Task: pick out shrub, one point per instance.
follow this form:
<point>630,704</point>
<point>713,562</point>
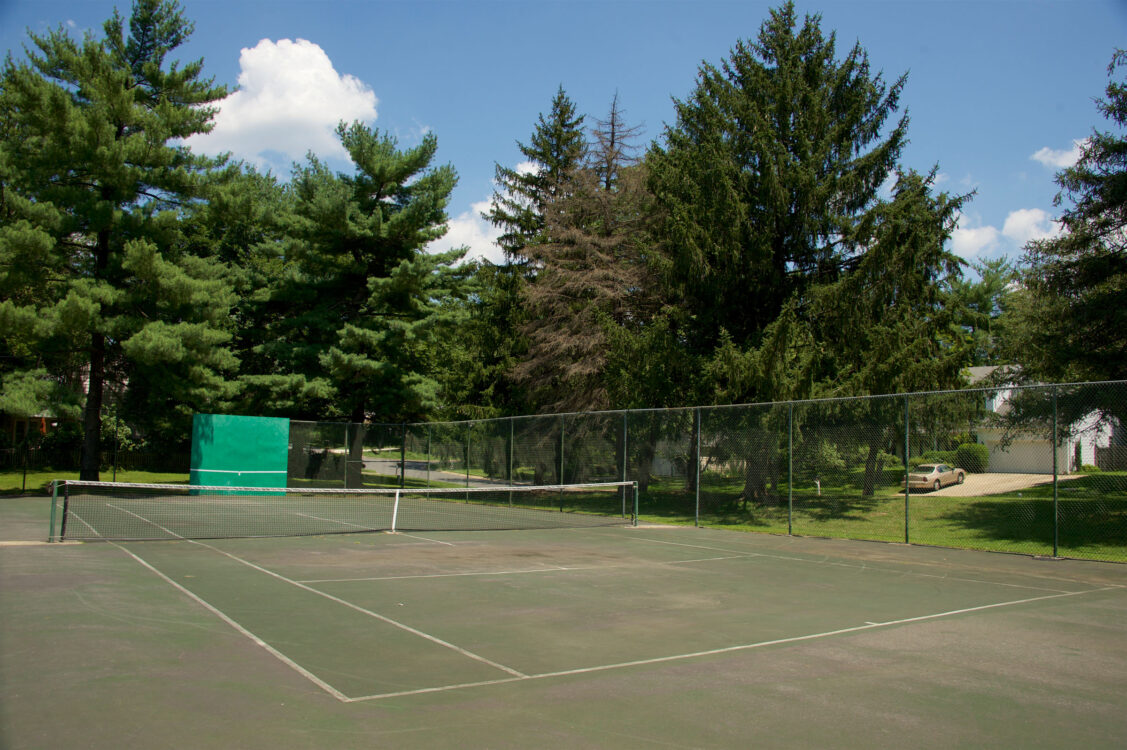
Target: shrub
<point>972,457</point>
<point>932,457</point>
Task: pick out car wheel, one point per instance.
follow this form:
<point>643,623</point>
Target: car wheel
<point>936,486</point>
<point>962,477</point>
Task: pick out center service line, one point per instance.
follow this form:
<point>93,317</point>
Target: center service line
<point>286,660</point>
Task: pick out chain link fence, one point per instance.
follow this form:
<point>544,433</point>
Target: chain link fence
<point>1033,470</point>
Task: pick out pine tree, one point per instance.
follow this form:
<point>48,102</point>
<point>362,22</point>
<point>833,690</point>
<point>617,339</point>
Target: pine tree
<point>614,146</point>
<point>772,159</point>
<point>95,179</point>
<point>363,310</point>
<point>982,307</point>
<point>591,274</point>
<point>1070,320</point>
<point>555,151</point>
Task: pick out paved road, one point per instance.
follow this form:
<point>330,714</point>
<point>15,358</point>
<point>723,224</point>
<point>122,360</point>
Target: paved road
<point>418,470</point>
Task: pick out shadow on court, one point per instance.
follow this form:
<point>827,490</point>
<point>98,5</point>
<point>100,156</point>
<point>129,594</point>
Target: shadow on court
<point>619,637</point>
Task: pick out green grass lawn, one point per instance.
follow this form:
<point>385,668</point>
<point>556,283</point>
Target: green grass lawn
<point>38,482</point>
<point>1092,512</point>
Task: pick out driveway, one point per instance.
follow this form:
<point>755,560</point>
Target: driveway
<point>977,485</point>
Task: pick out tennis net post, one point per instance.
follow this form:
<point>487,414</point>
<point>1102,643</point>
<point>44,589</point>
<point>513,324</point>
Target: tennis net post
<point>54,503</point>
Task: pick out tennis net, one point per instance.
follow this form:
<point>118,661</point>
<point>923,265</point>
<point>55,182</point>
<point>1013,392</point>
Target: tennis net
<point>117,511</point>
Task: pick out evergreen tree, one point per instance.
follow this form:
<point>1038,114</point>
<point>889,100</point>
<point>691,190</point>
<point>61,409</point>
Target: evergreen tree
<point>772,160</point>
<point>887,325</point>
<point>555,151</point>
<point>94,182</point>
<point>1070,321</point>
<point>364,311</point>
<point>591,274</point>
<point>614,146</point>
<point>983,309</point>
<point>244,223</point>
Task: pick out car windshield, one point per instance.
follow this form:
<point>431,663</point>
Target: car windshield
<point>925,468</point>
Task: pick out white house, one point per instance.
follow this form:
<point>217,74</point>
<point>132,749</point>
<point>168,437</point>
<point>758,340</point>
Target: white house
<point>1031,453</point>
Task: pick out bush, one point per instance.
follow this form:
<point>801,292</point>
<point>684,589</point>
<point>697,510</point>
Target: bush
<point>933,457</point>
<point>972,457</point>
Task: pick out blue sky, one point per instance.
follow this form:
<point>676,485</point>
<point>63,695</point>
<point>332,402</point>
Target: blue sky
<point>998,92</point>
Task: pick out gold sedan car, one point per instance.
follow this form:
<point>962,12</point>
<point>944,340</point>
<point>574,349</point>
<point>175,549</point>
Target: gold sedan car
<point>934,477</point>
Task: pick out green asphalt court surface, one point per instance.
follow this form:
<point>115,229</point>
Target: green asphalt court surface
<point>647,637</point>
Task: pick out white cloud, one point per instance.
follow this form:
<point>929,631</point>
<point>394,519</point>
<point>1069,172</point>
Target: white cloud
<point>1021,226</point>
<point>1059,159</point>
<point>468,229</point>
<point>1027,224</point>
<point>289,101</point>
<point>972,242</point>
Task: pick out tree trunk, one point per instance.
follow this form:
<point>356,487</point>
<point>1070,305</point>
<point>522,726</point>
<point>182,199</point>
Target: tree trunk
<point>90,463</point>
<point>873,467</point>
<point>692,466</point>
<point>91,460</point>
<point>354,465</point>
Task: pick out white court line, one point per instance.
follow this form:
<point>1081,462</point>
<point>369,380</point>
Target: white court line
<point>424,538</point>
<point>517,676</point>
<point>258,641</point>
<point>370,613</point>
<point>729,649</point>
<point>350,605</point>
<point>864,566</point>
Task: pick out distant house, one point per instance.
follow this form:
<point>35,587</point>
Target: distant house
<point>16,430</point>
<point>1084,442</point>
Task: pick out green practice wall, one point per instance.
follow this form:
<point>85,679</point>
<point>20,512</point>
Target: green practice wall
<point>236,451</point>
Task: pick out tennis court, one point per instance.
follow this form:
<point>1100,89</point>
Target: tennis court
<point>648,637</point>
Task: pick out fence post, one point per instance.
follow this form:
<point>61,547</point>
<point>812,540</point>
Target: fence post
<point>790,468</point>
<point>907,471</point>
<point>1056,472</point>
<point>625,417</point>
<point>696,467</point>
<point>562,450</point>
<point>26,457</point>
<point>403,459</point>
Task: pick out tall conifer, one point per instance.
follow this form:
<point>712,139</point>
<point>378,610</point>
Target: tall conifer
<point>772,159</point>
<point>95,177</point>
<point>363,308</point>
<point>555,151</point>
